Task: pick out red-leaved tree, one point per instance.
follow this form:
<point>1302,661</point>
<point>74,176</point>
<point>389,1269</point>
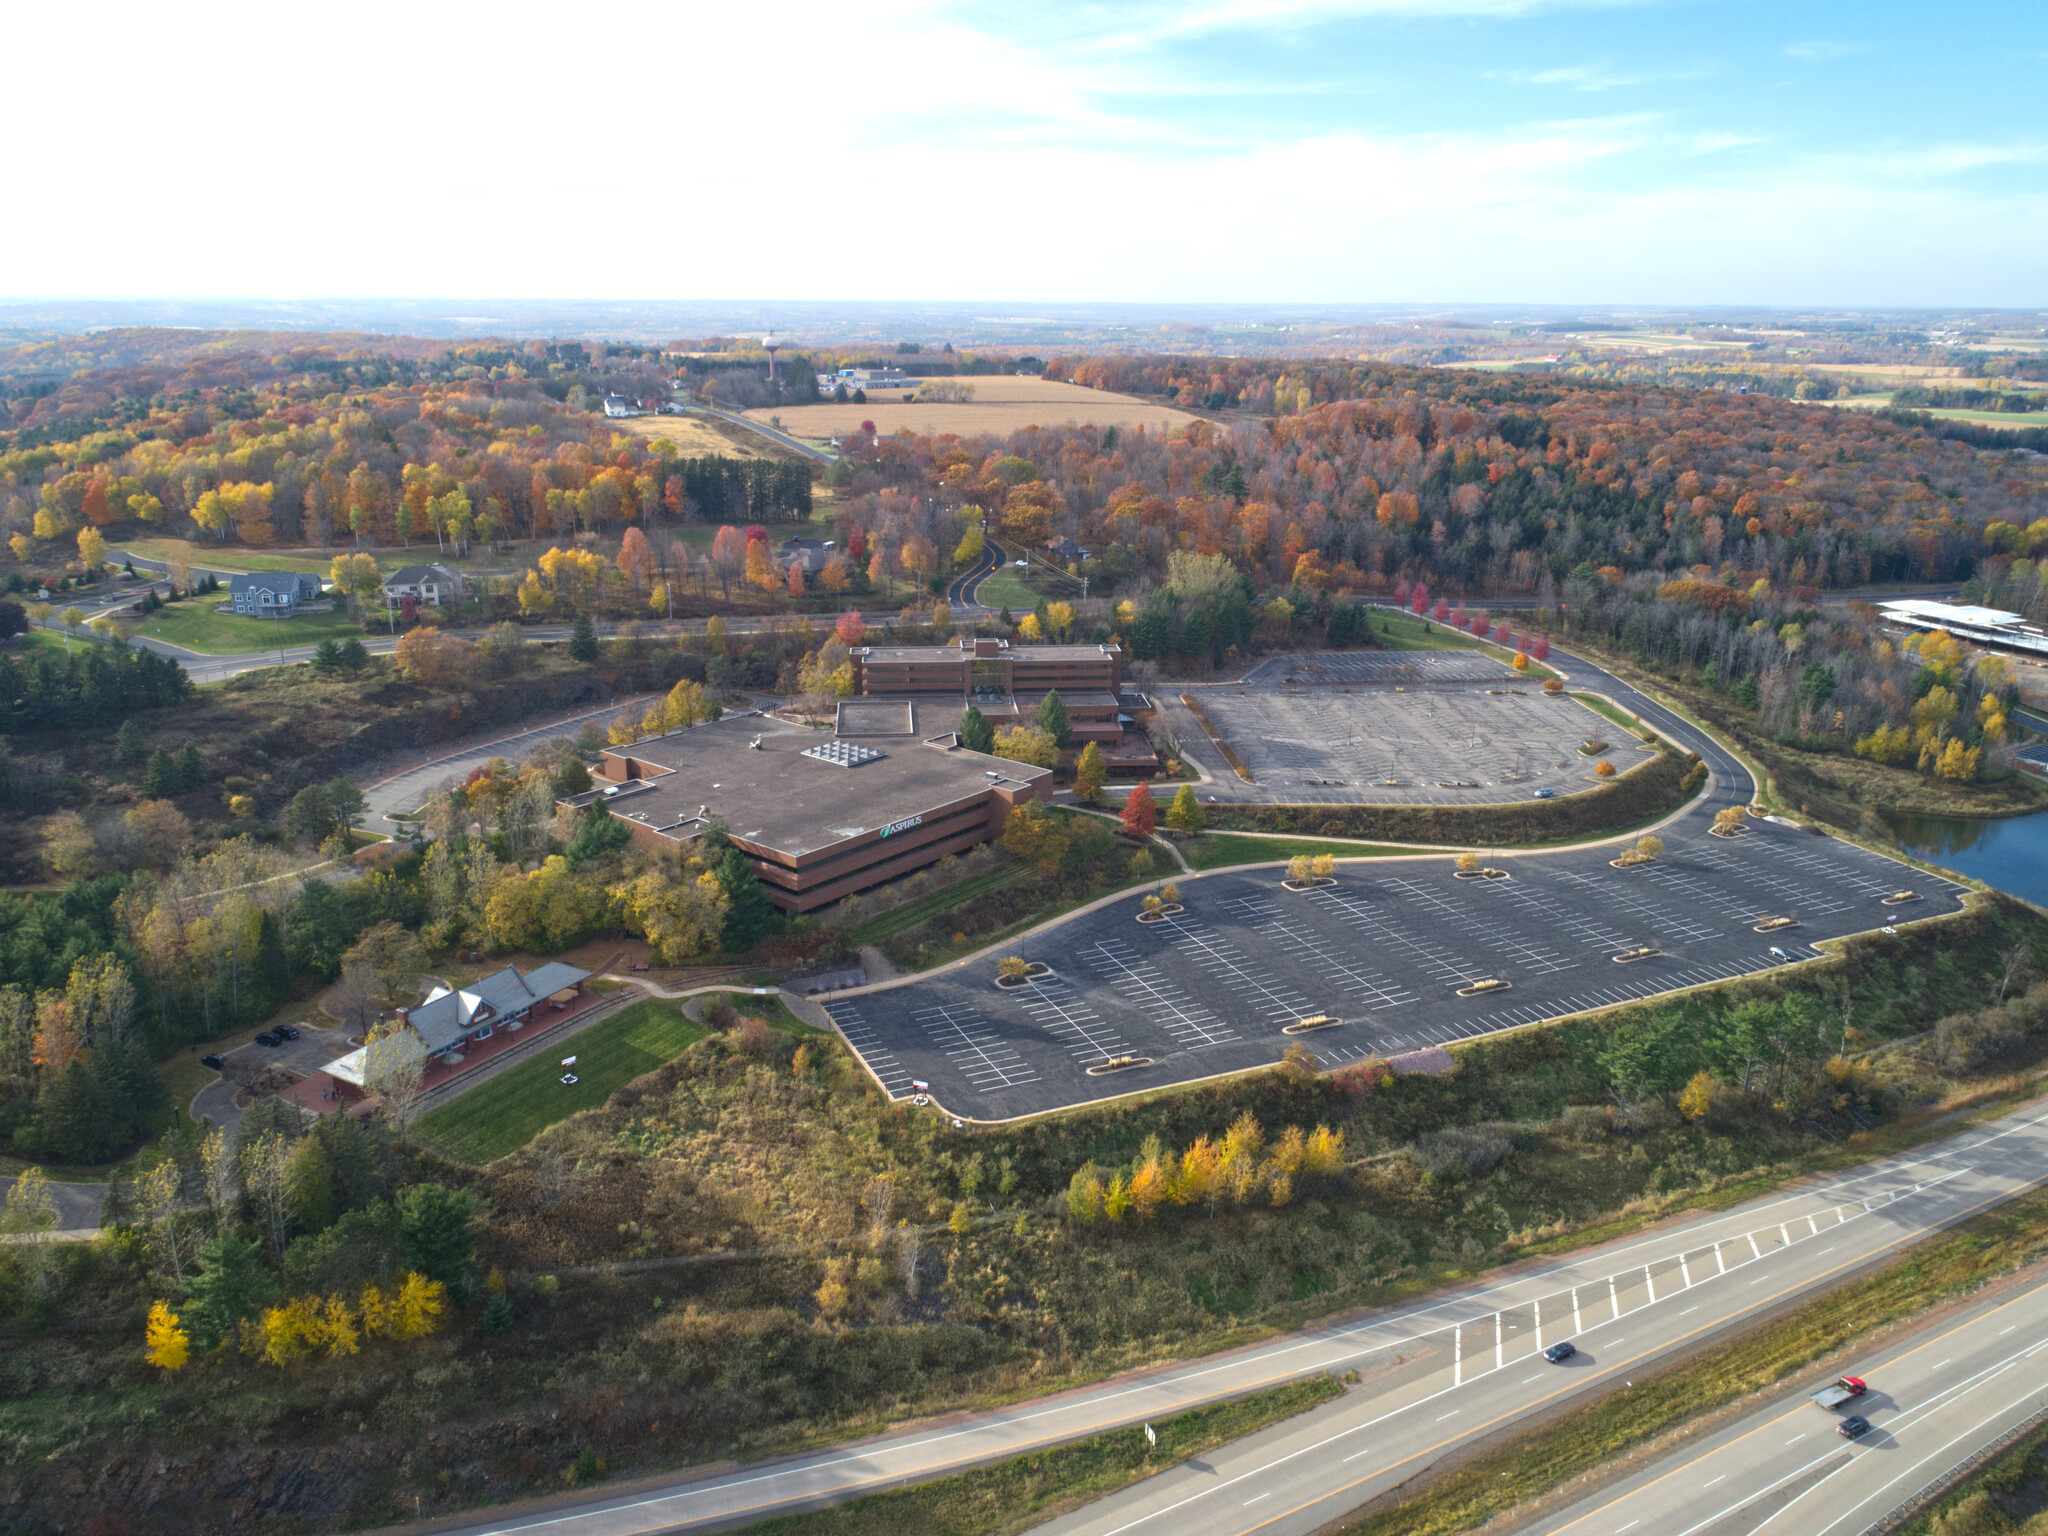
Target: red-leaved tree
<point>1141,813</point>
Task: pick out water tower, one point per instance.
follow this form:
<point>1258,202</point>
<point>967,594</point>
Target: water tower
<point>771,344</point>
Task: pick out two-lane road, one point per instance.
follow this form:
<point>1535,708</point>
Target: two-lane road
<point>1458,1367</point>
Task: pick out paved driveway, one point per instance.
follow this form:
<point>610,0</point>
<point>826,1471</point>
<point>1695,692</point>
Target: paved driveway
<point>78,1205</point>
<point>314,1048</point>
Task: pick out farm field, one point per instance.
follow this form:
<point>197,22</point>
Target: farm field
<point>195,625</point>
<point>2013,420</point>
<point>1000,406</point>
<point>698,437</point>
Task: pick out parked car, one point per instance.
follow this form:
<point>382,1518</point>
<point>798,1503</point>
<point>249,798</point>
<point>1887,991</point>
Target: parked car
<point>1853,1427</point>
<point>288,1031</point>
<point>1545,793</point>
<point>1780,954</point>
<point>212,1061</point>
<point>1557,1354</point>
<point>268,1038</point>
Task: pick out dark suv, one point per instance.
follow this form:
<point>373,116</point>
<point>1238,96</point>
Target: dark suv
<point>1557,1354</point>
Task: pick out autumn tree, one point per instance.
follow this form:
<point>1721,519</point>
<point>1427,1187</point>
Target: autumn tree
<point>1141,813</point>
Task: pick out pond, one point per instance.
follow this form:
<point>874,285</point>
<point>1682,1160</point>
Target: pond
<point>2011,854</point>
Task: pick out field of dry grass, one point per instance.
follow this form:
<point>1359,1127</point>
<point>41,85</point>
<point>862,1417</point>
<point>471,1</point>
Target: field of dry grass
<point>699,438</point>
<point>1000,405</point>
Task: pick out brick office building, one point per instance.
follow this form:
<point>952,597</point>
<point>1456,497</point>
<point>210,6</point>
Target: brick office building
<point>1008,682</point>
<point>821,816</point>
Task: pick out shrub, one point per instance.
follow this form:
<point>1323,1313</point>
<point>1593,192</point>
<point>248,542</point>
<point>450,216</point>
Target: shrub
<point>1472,1149</point>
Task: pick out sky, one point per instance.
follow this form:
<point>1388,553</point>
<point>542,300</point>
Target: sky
<point>1684,152</point>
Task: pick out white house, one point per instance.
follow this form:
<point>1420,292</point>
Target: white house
<point>434,584</point>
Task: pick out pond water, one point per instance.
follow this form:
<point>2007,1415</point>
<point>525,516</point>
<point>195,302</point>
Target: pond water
<point>2011,855</point>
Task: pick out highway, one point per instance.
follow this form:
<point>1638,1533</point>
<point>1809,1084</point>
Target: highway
<point>1936,1398</point>
<point>1454,1368</point>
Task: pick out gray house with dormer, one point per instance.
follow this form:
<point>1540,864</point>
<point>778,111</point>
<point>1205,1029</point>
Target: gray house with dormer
<point>272,594</point>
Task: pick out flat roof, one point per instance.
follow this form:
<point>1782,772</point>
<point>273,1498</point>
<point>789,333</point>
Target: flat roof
<point>958,653</point>
<point>775,797</point>
<point>1951,613</point>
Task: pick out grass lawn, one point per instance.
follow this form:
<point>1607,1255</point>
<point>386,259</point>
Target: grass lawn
<point>193,624</point>
<point>1620,717</point>
<point>1004,588</point>
<point>900,919</point>
<point>1218,850</point>
<point>53,640</point>
<point>506,1112</point>
<point>1027,1491</point>
<point>1407,632</point>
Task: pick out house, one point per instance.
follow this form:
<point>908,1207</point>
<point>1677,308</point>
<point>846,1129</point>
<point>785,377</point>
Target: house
<point>1064,551</point>
<point>619,405</point>
<point>434,584</point>
<point>811,554</point>
<point>452,1017</point>
<point>272,594</point>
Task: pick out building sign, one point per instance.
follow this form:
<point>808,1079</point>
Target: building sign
<point>901,826</point>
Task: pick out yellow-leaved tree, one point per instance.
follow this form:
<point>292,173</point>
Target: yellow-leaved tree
<point>166,1344</point>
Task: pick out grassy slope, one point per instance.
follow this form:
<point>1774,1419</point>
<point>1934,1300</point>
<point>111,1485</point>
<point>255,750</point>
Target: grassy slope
<point>1405,632</point>
<point>911,913</point>
<point>509,1110</point>
<point>1600,1433</point>
<point>1217,850</point>
<point>1013,1495</point>
<point>195,625</point>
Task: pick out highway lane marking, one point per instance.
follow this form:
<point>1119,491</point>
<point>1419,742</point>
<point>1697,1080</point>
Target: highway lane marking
<point>1620,1528</point>
<point>1713,1480</point>
<point>1527,1379</point>
<point>1798,1408</point>
<point>1248,1503</point>
<point>1429,1451</point>
<point>868,1451</point>
<point>1938,1364</point>
<point>1356,1454</point>
<point>1797,1438</point>
<point>1689,1309</point>
<point>2004,1331</point>
<point>1451,1415</point>
<point>1760,1279</point>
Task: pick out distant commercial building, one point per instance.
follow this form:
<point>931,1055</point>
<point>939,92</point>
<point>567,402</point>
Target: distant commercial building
<point>821,816</point>
<point>272,594</point>
<point>867,378</point>
<point>1980,626</point>
<point>811,554</point>
<point>1008,682</point>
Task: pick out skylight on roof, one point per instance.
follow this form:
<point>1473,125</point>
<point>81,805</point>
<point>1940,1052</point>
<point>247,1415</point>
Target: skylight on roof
<point>843,754</point>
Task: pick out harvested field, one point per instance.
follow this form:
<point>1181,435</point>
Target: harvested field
<point>1000,406</point>
<point>699,437</point>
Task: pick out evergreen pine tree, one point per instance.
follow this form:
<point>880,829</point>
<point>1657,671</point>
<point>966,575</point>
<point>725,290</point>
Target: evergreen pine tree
<point>749,913</point>
<point>976,734</point>
<point>327,657</point>
<point>230,1285</point>
<point>131,1090</point>
<point>497,1313</point>
<point>583,639</point>
<point>1052,719</point>
<point>160,778</point>
<point>128,744</point>
<point>354,656</point>
<point>191,771</point>
<point>76,1118</point>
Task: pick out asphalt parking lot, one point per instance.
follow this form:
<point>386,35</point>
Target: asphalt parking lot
<point>1389,728</point>
<point>1386,950</point>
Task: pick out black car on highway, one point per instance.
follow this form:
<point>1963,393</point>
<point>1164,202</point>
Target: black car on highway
<point>1853,1427</point>
<point>1557,1354</point>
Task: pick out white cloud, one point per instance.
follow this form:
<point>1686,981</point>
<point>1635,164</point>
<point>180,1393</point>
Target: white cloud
<point>1822,49</point>
<point>1580,77</point>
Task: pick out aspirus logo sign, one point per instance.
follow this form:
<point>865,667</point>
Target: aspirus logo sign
<point>901,826</point>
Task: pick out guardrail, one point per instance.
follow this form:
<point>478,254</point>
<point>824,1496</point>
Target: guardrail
<point>1936,1486</point>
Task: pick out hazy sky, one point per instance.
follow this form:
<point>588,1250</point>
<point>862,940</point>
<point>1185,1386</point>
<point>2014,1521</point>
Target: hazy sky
<point>1671,151</point>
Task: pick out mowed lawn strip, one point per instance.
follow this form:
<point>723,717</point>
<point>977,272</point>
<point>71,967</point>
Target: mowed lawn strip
<point>1029,1490</point>
<point>1216,850</point>
<point>1929,1272</point>
<point>194,625</point>
<point>506,1112</point>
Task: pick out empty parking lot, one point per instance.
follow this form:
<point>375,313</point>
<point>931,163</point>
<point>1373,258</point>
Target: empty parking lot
<point>1392,728</point>
<point>1386,950</point>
